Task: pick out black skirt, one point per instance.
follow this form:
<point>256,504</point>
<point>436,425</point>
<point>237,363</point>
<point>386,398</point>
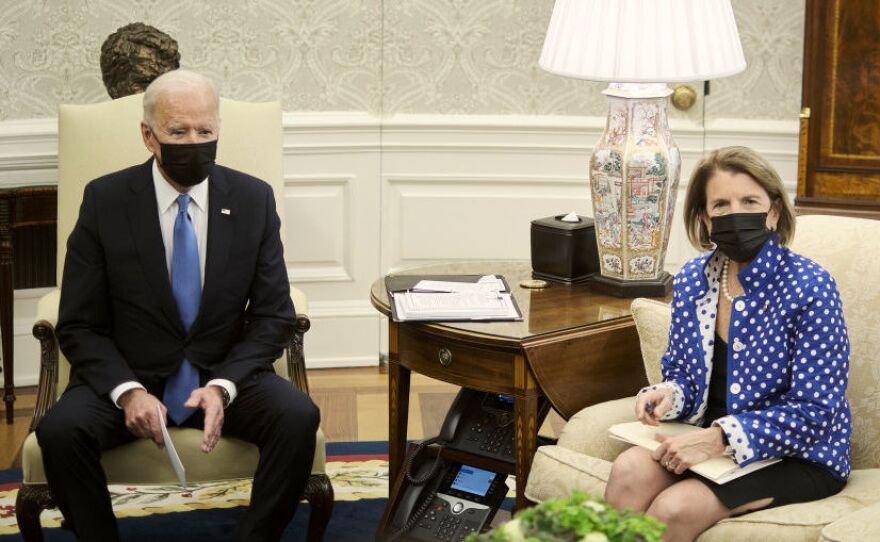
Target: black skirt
<point>787,482</point>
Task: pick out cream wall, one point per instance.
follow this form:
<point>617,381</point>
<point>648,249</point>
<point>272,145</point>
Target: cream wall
<point>414,131</point>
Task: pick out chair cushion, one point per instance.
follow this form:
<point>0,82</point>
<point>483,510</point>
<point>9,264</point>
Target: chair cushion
<point>141,462</point>
<point>558,471</point>
<point>856,527</point>
<point>652,319</point>
<point>587,431</point>
<point>798,522</point>
<point>300,301</point>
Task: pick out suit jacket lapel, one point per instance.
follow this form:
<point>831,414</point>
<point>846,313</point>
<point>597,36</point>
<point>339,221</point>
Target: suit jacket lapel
<point>221,216</point>
<point>144,217</point>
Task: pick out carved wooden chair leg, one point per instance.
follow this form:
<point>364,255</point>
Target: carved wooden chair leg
<point>319,494</point>
<point>31,501</point>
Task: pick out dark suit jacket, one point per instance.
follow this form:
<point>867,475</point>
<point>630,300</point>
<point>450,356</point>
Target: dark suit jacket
<point>118,320</point>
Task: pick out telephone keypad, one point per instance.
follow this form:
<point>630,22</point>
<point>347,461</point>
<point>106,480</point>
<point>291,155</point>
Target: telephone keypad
<point>491,436</point>
<point>467,528</point>
<point>440,521</point>
<point>448,527</point>
<point>428,521</point>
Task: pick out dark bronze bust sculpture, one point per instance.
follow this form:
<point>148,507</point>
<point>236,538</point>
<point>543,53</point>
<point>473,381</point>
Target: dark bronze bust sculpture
<point>133,56</point>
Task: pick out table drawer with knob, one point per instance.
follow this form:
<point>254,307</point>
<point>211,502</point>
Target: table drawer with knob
<point>470,366</point>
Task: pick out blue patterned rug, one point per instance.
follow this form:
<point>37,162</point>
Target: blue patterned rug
<point>210,512</point>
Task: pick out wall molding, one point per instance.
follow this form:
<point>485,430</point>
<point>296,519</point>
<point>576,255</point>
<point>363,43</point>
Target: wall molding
<point>326,270</point>
<point>33,144</point>
<point>341,309</point>
<point>343,362</point>
<point>27,146</point>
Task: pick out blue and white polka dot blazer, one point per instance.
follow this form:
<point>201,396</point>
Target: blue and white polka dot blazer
<point>788,356</point>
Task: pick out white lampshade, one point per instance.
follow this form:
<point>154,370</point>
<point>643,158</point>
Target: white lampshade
<point>643,41</point>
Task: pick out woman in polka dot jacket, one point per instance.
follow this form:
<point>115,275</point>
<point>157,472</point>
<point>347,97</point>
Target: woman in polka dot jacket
<point>758,356</point>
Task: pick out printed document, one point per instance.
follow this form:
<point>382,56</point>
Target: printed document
<point>485,299</point>
<point>720,469</point>
<point>487,284</point>
<point>176,464</point>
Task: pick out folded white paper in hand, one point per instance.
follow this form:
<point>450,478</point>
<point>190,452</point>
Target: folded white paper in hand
<point>176,464</point>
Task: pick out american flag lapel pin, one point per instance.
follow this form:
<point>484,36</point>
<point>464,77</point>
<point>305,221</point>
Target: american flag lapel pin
<point>225,211</point>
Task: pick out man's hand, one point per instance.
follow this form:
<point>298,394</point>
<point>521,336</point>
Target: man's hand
<point>141,414</point>
<point>210,400</point>
<point>652,405</point>
<point>677,454</point>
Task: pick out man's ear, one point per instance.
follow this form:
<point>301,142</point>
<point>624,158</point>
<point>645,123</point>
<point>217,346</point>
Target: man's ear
<point>148,137</point>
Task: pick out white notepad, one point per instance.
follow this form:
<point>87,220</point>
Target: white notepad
<point>720,469</point>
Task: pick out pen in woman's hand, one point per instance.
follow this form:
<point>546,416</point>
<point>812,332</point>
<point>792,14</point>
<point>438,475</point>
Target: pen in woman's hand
<point>649,408</point>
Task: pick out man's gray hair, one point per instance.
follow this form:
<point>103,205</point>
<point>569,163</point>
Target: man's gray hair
<point>175,80</point>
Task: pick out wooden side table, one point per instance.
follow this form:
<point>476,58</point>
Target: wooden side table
<point>27,224</point>
<point>574,346</point>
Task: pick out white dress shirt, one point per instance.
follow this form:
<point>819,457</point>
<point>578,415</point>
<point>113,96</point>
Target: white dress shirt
<point>166,197</point>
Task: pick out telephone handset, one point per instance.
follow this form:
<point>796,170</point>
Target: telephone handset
<point>460,501</point>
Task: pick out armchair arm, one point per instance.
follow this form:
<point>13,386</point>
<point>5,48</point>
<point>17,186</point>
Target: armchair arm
<point>47,307</point>
<point>44,331</point>
<point>859,525</point>
<point>296,364</point>
<point>587,431</point>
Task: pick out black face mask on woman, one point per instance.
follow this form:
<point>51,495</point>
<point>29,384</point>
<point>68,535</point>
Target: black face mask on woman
<point>188,164</point>
<point>740,236</point>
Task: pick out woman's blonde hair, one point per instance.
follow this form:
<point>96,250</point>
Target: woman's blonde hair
<point>734,160</point>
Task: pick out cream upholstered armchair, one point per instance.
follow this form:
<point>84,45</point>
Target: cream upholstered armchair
<point>847,248</point>
<point>102,138</point>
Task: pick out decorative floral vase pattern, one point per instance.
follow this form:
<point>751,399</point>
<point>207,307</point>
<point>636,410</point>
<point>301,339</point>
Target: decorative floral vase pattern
<point>634,173</point>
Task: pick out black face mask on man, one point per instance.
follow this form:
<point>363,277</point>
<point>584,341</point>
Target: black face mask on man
<point>740,236</point>
<point>188,164</point>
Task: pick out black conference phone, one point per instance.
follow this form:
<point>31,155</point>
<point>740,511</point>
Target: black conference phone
<point>458,500</point>
<point>481,423</point>
<point>448,500</point>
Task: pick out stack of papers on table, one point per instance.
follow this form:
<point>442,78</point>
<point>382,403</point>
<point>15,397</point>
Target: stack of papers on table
<point>486,298</point>
<point>720,469</point>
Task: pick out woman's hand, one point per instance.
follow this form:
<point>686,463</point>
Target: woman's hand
<point>677,454</point>
<point>652,405</point>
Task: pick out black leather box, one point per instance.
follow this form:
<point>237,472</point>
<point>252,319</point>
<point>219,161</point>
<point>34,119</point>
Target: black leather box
<point>564,251</point>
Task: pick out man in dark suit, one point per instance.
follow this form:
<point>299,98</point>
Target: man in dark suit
<point>175,303</point>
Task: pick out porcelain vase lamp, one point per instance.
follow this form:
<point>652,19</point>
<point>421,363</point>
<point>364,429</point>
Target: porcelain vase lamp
<point>638,46</point>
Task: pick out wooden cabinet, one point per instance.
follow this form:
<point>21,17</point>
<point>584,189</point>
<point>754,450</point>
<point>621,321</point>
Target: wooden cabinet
<point>839,163</point>
<point>27,227</point>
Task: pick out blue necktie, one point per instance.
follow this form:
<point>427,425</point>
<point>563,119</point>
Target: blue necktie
<point>186,286</point>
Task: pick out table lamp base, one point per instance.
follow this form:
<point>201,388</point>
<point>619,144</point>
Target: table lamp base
<point>659,287</point>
